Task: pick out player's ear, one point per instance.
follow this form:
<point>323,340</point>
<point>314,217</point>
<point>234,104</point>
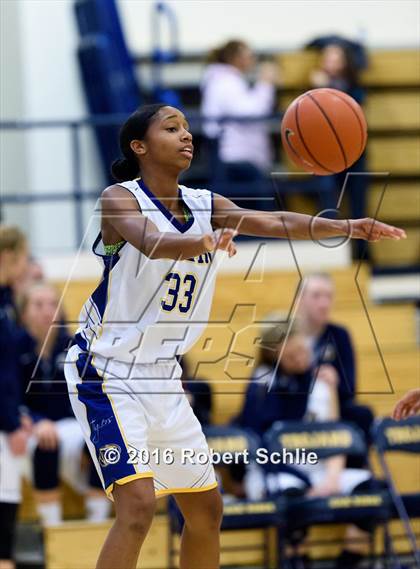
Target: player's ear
<point>139,147</point>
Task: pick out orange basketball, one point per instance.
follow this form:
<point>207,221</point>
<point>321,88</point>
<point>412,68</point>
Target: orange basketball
<point>324,131</point>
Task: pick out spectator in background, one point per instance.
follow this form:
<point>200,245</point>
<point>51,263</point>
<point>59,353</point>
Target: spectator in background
<point>278,389</point>
<point>57,446</point>
<point>34,273</point>
<point>333,348</point>
<point>289,393</point>
<point>243,147</point>
<point>14,425</point>
<point>338,71</point>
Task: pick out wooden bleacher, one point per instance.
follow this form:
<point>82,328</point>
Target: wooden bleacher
<point>394,327</point>
<point>392,109</point>
<point>387,68</point>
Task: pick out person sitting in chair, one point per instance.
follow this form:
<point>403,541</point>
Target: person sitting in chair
<point>285,387</point>
<point>333,351</point>
<point>57,448</point>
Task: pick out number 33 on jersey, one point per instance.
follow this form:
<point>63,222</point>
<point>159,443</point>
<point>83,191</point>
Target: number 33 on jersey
<point>153,308</point>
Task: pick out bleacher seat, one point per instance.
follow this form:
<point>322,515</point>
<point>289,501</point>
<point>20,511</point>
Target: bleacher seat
<point>387,68</point>
<point>397,67</point>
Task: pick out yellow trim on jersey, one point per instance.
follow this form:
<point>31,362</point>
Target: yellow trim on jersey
<point>167,491</point>
<point>127,479</point>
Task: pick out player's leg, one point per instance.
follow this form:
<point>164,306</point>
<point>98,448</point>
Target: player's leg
<point>135,505</point>
<point>112,423</point>
<point>202,511</point>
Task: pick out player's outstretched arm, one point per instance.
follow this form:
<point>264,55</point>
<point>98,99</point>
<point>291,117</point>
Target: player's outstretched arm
<point>123,220</point>
<point>408,405</point>
<point>297,225</point>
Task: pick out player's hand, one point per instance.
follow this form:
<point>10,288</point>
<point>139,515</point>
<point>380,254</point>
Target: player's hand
<point>372,230</point>
<point>46,434</point>
<point>407,406</point>
<point>17,441</point>
<point>221,239</point>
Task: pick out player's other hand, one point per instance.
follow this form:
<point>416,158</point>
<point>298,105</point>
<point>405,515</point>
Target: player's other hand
<point>372,230</point>
<point>221,239</point>
<point>407,406</point>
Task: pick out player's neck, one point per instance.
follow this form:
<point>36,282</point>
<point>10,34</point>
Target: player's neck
<point>161,184</point>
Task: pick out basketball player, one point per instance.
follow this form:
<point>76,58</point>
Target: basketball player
<point>158,241</point>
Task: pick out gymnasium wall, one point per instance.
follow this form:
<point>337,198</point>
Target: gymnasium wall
<point>40,80</point>
<point>285,24</point>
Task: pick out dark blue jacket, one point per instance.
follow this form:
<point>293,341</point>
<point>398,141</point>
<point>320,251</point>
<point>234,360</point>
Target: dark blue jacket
<point>286,400</point>
<point>44,385</point>
<point>9,363</point>
<point>335,347</point>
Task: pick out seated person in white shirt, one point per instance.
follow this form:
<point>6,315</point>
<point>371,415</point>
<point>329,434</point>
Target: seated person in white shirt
<point>243,147</point>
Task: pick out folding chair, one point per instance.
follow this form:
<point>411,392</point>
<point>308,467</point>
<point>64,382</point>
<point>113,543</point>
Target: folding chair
<point>399,436</point>
<point>326,440</point>
<point>238,515</point>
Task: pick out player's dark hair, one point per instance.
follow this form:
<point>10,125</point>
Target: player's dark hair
<point>226,52</point>
<point>134,128</point>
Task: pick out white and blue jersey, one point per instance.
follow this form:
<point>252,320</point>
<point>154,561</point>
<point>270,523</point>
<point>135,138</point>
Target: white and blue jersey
<point>122,374</point>
<point>149,310</point>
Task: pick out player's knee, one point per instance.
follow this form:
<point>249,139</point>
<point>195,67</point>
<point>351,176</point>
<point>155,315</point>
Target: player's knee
<point>207,516</point>
<point>136,509</point>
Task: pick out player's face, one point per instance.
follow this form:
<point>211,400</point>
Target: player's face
<point>168,142</point>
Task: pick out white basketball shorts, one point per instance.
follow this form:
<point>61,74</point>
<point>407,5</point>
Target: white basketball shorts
<point>138,423</point>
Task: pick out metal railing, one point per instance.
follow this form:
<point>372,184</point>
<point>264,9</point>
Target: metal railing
<point>77,195</point>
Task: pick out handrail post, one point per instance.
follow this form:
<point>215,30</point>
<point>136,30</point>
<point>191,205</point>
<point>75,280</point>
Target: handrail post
<point>77,182</point>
